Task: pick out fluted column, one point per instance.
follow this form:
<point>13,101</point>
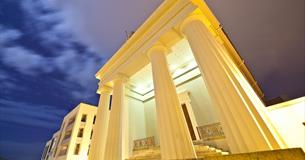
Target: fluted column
<point>241,111</point>
<point>98,142</point>
<point>116,139</point>
<point>175,140</point>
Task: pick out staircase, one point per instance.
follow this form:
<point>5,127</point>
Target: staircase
<point>153,153</point>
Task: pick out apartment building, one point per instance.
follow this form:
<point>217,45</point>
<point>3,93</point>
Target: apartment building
<point>72,141</point>
<point>48,152</point>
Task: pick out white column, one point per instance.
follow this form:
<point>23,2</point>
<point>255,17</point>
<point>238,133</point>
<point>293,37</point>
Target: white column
<point>175,140</point>
<point>241,112</point>
<point>117,130</point>
<point>98,142</point>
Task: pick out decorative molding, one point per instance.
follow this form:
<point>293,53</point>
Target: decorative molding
<point>184,97</point>
<point>104,89</point>
<point>184,82</point>
<point>184,73</point>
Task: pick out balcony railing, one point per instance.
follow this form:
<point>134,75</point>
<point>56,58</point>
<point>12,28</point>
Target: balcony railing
<point>211,132</point>
<point>69,126</point>
<point>143,143</point>
<point>66,139</point>
<point>62,152</point>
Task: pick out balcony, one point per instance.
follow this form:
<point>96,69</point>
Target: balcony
<point>69,126</point>
<point>62,152</point>
<point>66,140</point>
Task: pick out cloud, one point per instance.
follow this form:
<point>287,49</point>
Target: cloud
<point>7,35</point>
<point>78,63</point>
<point>24,60</point>
<point>77,68</point>
<point>43,47</point>
<point>102,24</point>
<point>46,22</point>
<point>29,114</point>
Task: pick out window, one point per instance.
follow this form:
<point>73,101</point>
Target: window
<point>188,121</point>
<point>80,132</point>
<point>91,134</point>
<point>88,150</point>
<point>94,119</point>
<point>76,150</point>
<point>84,118</point>
<point>110,101</point>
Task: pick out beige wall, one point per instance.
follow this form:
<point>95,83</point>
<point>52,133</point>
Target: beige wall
<point>200,101</point>
<point>90,111</point>
<point>150,120</point>
<point>288,118</point>
<point>137,126</point>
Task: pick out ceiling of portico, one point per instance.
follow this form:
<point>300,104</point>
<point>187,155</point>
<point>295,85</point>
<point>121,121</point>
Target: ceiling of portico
<point>180,60</point>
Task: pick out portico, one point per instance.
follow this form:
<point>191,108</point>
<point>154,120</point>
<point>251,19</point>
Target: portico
<point>176,73</point>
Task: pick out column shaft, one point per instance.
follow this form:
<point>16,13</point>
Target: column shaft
<point>115,144</point>
<point>175,140</point>
<point>98,142</point>
<point>240,110</point>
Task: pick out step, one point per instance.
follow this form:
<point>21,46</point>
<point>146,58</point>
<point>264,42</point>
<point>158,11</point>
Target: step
<point>154,153</point>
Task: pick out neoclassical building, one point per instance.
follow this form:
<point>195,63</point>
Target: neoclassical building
<point>177,83</point>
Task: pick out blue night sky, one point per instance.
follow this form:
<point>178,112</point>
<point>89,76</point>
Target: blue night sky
<point>50,51</point>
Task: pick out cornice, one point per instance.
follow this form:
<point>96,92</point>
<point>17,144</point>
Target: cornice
<point>165,17</point>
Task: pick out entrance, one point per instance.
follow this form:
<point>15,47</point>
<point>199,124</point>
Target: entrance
<point>188,121</point>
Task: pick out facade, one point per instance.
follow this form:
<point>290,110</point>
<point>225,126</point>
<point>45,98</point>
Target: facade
<point>177,89</point>
<point>45,153</point>
<point>50,146</point>
<point>72,141</point>
<point>178,83</point>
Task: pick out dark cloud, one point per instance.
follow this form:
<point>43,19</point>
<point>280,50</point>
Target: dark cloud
<point>44,72</point>
<point>77,66</point>
<point>25,113</point>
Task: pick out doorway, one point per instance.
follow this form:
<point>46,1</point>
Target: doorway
<point>188,121</point>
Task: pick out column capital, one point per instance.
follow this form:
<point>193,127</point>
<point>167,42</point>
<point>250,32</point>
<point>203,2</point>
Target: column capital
<point>121,77</point>
<point>158,48</point>
<point>196,16</point>
<point>104,89</point>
